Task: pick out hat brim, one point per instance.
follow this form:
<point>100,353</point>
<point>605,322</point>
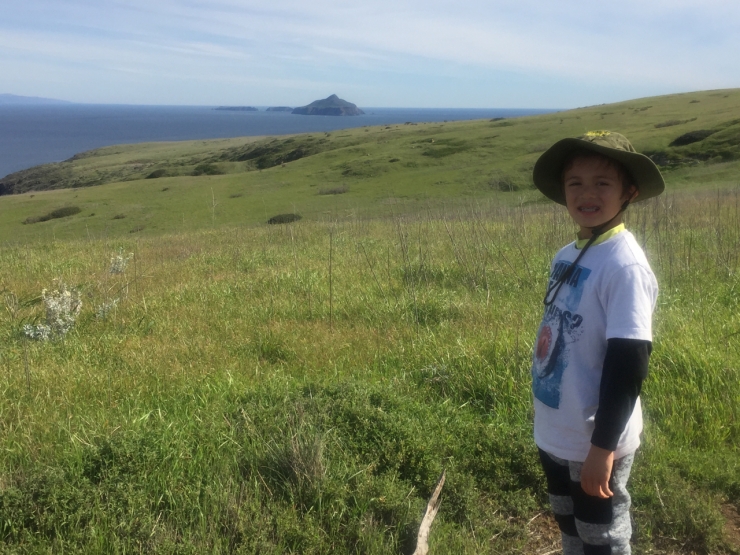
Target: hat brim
<point>547,173</point>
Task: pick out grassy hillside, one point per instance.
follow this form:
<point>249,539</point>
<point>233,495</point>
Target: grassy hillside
<point>235,388</point>
<point>298,389</point>
<point>165,187</point>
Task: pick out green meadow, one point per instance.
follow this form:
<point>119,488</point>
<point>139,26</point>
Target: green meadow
<point>238,387</point>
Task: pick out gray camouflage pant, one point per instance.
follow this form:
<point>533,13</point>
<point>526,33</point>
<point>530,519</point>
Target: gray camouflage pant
<point>589,525</point>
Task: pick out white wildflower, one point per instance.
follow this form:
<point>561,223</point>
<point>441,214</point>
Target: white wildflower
<point>102,310</point>
<point>41,332</point>
<point>62,309</point>
<point>119,262</point>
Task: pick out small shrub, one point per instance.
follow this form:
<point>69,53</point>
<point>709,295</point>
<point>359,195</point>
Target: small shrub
<point>694,102</point>
<point>54,214</point>
<point>236,195</point>
<point>136,229</point>
<point>394,160</point>
<point>119,216</point>
<point>165,189</point>
<point>284,219</point>
<point>157,173</point>
<point>334,190</point>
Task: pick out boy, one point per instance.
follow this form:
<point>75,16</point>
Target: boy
<point>595,339</point>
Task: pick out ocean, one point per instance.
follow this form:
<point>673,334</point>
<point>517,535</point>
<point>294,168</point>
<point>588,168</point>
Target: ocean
<point>38,134</point>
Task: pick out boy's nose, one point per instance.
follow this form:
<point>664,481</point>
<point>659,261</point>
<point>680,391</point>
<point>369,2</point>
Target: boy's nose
<point>591,189</point>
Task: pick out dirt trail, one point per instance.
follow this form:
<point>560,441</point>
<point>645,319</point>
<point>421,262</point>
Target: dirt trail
<point>732,524</point>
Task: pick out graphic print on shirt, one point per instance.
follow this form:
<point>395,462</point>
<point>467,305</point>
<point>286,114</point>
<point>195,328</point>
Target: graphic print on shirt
<point>561,326</point>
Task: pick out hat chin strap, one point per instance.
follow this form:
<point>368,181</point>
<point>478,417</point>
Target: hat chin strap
<point>554,289</point>
<point>599,229</point>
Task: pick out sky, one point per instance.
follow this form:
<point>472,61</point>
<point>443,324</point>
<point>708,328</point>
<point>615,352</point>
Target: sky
<point>375,53</point>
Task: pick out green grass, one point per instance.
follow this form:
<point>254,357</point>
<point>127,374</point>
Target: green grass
<point>233,402</point>
<point>299,388</point>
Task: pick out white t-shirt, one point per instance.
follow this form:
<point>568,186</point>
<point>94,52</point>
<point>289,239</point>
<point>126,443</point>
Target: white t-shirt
<point>610,294</point>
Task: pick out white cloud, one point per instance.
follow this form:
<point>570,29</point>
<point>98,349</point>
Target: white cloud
<point>649,44</point>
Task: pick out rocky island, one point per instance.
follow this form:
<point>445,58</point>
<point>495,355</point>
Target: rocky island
<point>280,109</point>
<point>332,106</point>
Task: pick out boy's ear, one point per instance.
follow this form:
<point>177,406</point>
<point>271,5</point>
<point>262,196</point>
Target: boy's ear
<point>632,193</point>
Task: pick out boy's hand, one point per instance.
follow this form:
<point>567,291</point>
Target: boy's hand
<point>596,471</point>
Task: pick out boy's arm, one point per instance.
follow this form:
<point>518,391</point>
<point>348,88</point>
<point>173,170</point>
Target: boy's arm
<point>625,368</point>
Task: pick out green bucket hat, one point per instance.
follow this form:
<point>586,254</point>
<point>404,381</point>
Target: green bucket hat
<point>548,170</point>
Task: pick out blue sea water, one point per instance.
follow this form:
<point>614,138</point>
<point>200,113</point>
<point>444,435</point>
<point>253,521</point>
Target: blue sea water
<point>38,134</point>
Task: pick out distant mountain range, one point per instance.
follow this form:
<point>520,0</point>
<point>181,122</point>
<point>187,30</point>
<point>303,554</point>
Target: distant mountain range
<point>14,99</point>
<point>331,106</point>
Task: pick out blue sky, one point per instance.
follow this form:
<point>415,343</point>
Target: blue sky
<point>376,53</point>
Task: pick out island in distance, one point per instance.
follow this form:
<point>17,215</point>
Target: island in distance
<point>237,108</point>
<point>280,109</point>
<point>332,106</point>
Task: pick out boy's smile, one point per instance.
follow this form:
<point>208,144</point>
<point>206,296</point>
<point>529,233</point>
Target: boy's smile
<point>594,194</point>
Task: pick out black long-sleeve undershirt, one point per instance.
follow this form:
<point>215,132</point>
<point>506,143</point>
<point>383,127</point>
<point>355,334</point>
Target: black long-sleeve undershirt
<point>625,368</point>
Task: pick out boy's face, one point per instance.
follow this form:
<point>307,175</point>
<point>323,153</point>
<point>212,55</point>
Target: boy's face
<point>594,193</point>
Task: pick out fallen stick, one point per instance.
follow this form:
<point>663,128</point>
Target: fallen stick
<point>422,545</point>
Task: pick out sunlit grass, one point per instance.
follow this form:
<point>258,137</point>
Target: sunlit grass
<point>232,401</point>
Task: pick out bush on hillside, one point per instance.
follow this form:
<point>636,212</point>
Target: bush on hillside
<point>54,214</point>
<point>692,137</point>
<point>672,122</point>
<point>284,219</point>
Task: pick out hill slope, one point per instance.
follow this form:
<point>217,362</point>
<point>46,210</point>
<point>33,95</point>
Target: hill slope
<point>15,100</point>
<point>162,187</point>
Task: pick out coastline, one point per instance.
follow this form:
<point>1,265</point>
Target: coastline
<point>31,135</point>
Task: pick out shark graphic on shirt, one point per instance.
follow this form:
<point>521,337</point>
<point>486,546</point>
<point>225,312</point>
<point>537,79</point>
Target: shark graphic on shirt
<point>561,326</point>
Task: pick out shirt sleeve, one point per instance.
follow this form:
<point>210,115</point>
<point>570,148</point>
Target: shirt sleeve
<point>625,368</point>
<point>629,300</point>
